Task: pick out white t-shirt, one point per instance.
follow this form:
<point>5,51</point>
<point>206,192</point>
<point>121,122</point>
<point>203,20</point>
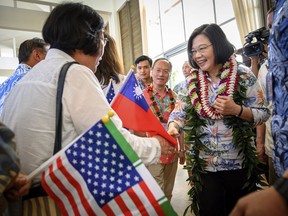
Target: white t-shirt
<point>29,110</point>
<point>269,143</point>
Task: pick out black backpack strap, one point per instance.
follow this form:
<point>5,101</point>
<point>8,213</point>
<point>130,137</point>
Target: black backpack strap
<point>60,87</point>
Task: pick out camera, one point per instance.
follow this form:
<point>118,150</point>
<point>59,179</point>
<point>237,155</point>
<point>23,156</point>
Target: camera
<point>256,48</point>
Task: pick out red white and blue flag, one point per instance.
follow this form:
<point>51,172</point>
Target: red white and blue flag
<point>111,92</point>
<point>134,111</point>
<point>100,174</point>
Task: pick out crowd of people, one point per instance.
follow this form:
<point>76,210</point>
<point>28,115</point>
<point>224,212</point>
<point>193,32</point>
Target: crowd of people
<point>216,108</point>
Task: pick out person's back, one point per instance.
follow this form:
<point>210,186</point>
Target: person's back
<point>31,52</point>
<point>278,70</point>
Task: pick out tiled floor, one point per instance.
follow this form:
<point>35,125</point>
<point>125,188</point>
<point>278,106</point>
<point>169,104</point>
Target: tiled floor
<point>180,199</point>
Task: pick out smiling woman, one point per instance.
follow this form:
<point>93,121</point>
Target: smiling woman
<point>220,122</point>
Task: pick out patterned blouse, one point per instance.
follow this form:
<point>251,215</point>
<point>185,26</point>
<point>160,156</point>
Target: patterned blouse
<point>181,90</point>
<point>8,84</point>
<point>164,104</point>
<point>221,153</point>
<point>278,67</point>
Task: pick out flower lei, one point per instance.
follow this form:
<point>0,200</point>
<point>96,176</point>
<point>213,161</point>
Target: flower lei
<point>155,104</point>
<point>198,113</point>
<point>228,84</point>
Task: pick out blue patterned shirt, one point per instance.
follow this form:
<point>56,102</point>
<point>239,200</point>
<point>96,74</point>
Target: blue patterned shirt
<point>278,67</point>
<point>221,153</point>
<point>181,90</point>
<point>9,83</point>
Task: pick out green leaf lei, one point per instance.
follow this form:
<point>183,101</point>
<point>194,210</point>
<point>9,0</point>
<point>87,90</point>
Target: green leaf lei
<point>242,137</point>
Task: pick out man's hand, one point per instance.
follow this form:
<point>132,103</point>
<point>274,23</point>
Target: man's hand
<point>166,148</point>
<point>173,129</point>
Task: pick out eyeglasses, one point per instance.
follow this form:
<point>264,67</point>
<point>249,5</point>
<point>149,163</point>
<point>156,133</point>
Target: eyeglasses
<point>105,40</point>
<point>201,49</point>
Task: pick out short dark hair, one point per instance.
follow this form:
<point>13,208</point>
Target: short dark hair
<point>72,26</point>
<point>223,49</point>
<point>144,58</point>
<point>165,59</point>
<point>28,46</point>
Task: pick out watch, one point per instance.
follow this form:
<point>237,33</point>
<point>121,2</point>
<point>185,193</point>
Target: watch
<point>281,186</point>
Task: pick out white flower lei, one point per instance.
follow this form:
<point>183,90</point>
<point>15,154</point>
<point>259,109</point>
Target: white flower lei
<point>227,86</point>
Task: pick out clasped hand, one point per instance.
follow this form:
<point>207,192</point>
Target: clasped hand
<point>19,187</point>
<point>166,147</point>
<point>225,105</point>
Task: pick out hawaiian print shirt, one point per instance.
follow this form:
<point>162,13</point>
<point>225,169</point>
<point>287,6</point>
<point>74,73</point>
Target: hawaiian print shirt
<point>163,104</point>
<point>278,67</point>
<point>165,109</point>
<point>181,90</point>
<point>8,84</point>
<point>141,84</point>
<point>221,154</point>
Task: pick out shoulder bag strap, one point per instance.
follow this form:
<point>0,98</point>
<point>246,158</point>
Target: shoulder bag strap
<point>60,87</point>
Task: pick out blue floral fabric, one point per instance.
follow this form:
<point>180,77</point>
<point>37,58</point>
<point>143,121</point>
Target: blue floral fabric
<point>8,84</point>
<point>221,153</point>
<point>181,90</point>
<point>278,66</point>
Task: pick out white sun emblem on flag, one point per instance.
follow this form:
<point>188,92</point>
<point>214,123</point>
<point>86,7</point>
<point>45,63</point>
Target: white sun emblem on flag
<point>137,92</point>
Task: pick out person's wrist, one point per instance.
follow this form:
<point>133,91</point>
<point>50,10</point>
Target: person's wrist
<point>175,125</point>
<point>182,151</point>
<point>240,112</point>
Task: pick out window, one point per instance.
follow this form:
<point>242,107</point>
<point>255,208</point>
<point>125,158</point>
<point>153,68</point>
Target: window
<point>223,10</point>
<point>153,28</point>
<point>177,62</point>
<point>197,13</point>
<point>171,23</point>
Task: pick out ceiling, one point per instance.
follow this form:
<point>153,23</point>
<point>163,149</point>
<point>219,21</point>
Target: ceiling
<point>16,25</point>
<point>8,36</point>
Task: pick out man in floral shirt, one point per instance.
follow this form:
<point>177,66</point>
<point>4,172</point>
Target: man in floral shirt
<point>181,88</point>
<point>161,100</point>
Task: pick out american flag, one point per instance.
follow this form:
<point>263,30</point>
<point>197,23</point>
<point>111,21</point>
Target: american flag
<point>111,92</point>
<point>100,174</point>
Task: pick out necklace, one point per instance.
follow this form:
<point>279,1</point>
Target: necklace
<point>198,80</point>
<point>155,105</point>
<point>242,130</point>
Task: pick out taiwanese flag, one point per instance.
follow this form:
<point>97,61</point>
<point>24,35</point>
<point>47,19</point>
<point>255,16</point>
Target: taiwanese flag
<point>134,111</point>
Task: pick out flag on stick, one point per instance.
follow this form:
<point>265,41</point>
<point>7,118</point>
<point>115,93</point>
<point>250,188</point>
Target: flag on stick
<point>111,92</point>
<point>134,111</point>
<point>100,174</point>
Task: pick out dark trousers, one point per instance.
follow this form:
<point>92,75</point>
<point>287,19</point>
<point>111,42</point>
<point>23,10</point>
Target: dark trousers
<point>220,191</point>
